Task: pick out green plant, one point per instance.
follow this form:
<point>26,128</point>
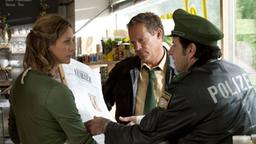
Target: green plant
<point>244,10</point>
<point>44,7</point>
<point>5,31</point>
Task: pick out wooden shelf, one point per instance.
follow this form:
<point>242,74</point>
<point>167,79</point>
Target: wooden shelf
<point>5,83</point>
<point>103,63</point>
<point>109,64</point>
<point>5,69</point>
<point>19,36</point>
<point>7,46</point>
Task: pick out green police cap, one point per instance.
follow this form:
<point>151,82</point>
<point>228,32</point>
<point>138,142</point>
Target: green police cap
<point>195,28</point>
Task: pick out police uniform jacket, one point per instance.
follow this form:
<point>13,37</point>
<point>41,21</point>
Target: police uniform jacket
<point>208,104</point>
<point>122,84</point>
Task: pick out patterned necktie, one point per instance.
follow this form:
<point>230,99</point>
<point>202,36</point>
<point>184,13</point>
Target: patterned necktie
<point>150,102</point>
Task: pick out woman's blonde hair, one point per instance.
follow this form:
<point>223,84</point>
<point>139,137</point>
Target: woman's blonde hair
<point>44,33</point>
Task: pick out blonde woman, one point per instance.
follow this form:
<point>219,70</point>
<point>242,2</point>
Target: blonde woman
<point>43,110</point>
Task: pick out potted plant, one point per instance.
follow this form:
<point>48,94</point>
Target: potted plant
<point>5,32</point>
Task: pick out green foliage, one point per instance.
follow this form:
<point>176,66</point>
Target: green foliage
<point>168,40</point>
<point>5,32</point>
<point>108,45</point>
<point>44,7</point>
<point>245,9</point>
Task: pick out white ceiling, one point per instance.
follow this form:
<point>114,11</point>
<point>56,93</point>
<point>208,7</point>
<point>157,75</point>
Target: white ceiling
<point>87,9</point>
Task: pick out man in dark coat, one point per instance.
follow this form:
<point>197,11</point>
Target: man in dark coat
<point>128,80</point>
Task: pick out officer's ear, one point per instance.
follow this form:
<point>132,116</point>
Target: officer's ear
<point>191,50</point>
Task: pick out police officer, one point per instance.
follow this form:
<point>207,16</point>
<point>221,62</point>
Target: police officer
<point>210,100</point>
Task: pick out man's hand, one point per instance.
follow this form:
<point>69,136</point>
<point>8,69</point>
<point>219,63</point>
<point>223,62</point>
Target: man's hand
<point>97,125</point>
<point>131,119</point>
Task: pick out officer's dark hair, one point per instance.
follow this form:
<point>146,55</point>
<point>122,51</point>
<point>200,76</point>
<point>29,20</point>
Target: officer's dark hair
<point>151,21</point>
<point>203,52</point>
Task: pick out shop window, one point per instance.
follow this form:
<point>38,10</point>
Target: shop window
<point>245,37</point>
<point>104,27</point>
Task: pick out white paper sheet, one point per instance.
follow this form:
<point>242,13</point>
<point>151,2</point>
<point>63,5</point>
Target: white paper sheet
<point>85,84</point>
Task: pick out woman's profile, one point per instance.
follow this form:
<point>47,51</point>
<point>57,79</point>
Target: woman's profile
<point>43,110</point>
